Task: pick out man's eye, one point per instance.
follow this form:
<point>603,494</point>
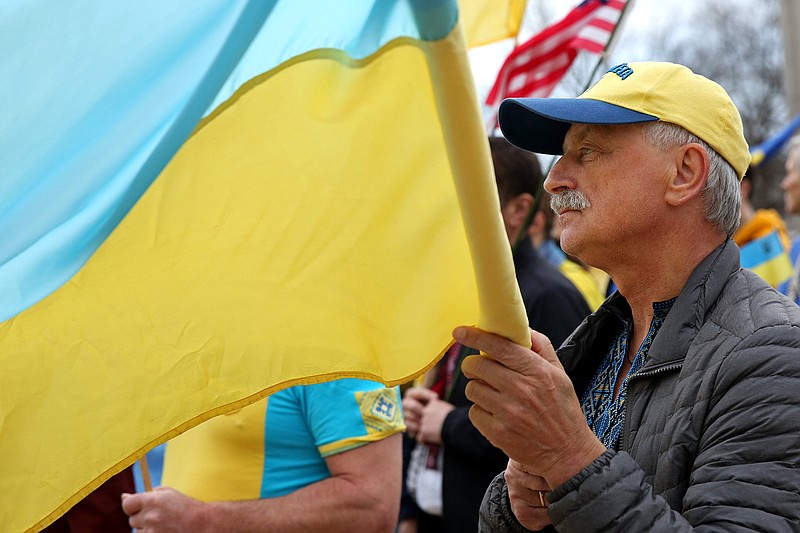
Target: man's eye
<point>585,150</point>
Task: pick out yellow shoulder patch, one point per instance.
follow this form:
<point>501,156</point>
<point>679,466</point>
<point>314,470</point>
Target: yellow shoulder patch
<point>380,409</point>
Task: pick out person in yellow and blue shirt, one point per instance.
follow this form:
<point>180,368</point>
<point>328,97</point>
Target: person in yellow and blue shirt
<point>763,239</point>
<point>324,457</point>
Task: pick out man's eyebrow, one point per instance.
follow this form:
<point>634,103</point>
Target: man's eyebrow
<point>577,133</point>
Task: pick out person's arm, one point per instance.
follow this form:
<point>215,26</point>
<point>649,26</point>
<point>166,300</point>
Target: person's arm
<point>742,477</point>
<point>362,494</point>
<point>496,515</point>
<point>525,405</point>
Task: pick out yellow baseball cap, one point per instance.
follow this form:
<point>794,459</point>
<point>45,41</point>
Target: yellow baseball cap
<point>630,93</point>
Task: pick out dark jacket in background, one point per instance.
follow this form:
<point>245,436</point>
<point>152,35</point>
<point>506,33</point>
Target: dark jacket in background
<point>554,307</point>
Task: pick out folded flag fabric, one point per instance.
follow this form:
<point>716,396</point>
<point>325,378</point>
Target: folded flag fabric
<point>207,202</point>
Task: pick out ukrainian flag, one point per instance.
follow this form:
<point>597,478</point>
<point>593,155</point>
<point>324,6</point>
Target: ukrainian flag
<point>767,257</point>
<point>487,21</point>
<point>204,202</point>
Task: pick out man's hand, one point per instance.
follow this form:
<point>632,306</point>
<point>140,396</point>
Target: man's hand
<point>430,425</point>
<point>526,406</point>
<point>526,493</point>
<point>164,510</point>
<point>414,402</point>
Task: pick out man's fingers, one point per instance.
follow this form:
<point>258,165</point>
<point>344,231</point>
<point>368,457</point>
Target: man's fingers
<point>481,419</point>
<point>479,367</point>
<point>509,354</point>
<point>542,345</point>
<point>421,394</point>
<point>479,391</point>
<point>131,503</point>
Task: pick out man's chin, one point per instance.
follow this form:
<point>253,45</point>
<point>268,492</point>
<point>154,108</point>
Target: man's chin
<point>568,243</point>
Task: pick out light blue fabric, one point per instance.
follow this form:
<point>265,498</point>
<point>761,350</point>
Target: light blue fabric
<point>98,96</point>
<point>761,250</point>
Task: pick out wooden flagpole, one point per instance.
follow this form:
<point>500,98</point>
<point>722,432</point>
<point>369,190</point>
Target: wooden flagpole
<point>603,56</point>
<point>148,484</point>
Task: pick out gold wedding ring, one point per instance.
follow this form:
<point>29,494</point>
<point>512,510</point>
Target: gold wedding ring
<point>542,499</point>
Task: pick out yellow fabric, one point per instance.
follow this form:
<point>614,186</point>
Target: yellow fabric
<point>487,21</point>
<point>763,222</point>
<point>318,225</point>
<point>236,443</point>
<point>775,271</point>
<point>584,281</point>
<point>675,94</point>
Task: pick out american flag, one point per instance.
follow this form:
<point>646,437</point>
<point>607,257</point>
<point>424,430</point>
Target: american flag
<point>535,67</point>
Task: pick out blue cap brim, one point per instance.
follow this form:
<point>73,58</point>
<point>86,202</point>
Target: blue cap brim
<point>540,124</point>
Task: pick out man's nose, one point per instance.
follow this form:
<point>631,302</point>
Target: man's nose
<point>557,179</point>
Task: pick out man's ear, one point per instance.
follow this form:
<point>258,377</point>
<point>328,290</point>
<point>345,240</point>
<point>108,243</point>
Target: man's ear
<point>690,176</point>
<point>516,210</point>
<point>537,229</point>
<point>538,224</point>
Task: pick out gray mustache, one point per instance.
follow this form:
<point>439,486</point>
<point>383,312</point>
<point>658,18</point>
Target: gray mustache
<point>570,200</point>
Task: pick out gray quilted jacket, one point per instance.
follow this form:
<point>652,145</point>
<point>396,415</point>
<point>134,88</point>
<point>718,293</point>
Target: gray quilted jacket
<point>711,440</point>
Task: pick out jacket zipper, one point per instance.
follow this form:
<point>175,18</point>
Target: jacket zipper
<point>654,371</point>
<point>644,373</point>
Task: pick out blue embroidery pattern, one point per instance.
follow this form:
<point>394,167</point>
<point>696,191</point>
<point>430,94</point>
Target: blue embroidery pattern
<point>604,414</point>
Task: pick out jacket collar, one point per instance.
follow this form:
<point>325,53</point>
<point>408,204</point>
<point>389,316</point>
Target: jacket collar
<point>687,315</point>
<point>693,305</point>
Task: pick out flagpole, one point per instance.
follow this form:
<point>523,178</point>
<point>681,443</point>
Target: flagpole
<point>611,42</point>
<point>146,482</point>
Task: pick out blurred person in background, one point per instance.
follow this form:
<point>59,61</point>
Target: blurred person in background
<point>791,201</point>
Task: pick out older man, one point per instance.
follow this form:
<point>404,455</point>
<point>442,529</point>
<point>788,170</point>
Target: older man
<point>675,405</point>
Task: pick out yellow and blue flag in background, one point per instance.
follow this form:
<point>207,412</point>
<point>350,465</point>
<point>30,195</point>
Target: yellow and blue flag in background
<point>764,246</point>
<point>206,202</point>
<point>487,21</point>
<point>767,257</point>
<point>764,151</point>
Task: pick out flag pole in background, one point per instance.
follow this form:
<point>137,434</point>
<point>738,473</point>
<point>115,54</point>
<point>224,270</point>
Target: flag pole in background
<point>603,57</point>
<point>771,146</point>
<point>534,68</point>
<point>148,484</point>
<point>612,40</point>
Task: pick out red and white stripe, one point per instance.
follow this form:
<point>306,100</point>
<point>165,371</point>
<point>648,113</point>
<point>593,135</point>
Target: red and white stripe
<point>535,67</point>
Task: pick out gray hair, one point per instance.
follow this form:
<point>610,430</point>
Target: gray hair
<point>722,195</point>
